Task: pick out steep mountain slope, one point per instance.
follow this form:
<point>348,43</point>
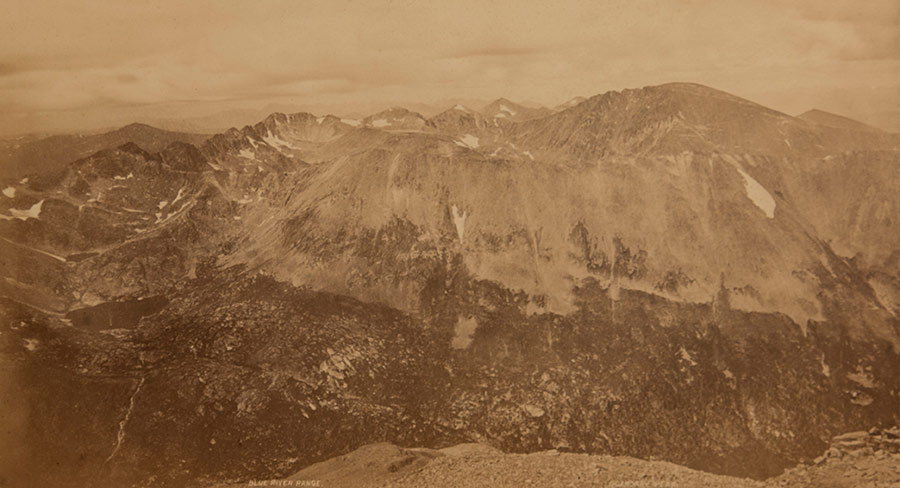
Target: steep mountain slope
<point>668,272</point>
<point>681,225</point>
<point>460,119</point>
<point>828,119</point>
<point>853,199</point>
<point>51,154</point>
<point>94,221</point>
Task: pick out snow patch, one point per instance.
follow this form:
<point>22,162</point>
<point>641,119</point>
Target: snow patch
<point>252,142</point>
<point>460,107</point>
<point>130,176</point>
<point>528,153</point>
<point>758,194</point>
<point>30,344</point>
<point>504,108</point>
<point>162,204</point>
<point>23,181</point>
<point>319,120</point>
<point>463,332</point>
<point>826,370</point>
<point>276,142</point>
<point>533,411</point>
<point>9,191</point>
<point>788,143</point>
<point>459,220</point>
<point>179,196</point>
<point>500,116</point>
<point>862,377</point>
<point>380,123</point>
<point>351,122</point>
<point>685,355</point>
<point>470,141</point>
<point>33,212</point>
<point>246,153</point>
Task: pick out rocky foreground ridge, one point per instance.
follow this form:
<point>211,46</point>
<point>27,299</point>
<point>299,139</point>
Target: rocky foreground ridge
<point>856,459</point>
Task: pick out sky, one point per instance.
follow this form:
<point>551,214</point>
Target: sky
<point>89,64</point>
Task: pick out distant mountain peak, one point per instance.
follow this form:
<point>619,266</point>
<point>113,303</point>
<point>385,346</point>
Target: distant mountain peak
<point>676,117</point>
<point>570,103</point>
<point>503,108</point>
<point>131,147</point>
<point>138,125</point>
<point>135,129</point>
<point>395,118</point>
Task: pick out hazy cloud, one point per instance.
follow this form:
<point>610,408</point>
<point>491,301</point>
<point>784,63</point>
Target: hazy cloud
<point>61,55</point>
<point>496,51</point>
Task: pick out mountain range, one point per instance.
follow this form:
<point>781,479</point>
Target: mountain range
<point>670,272</point>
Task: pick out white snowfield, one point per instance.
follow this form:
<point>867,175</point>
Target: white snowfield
<point>469,141</point>
<point>34,212</point>
<point>9,191</point>
<point>351,122</point>
<point>380,123</point>
<point>459,220</point>
<point>276,142</point>
<point>246,153</point>
<point>686,356</point>
<point>179,196</point>
<point>758,194</point>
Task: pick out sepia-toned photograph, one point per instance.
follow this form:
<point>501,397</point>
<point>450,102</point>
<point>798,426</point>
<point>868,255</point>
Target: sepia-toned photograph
<point>450,243</point>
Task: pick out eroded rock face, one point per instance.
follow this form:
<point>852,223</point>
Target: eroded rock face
<point>226,379</point>
<point>875,441</point>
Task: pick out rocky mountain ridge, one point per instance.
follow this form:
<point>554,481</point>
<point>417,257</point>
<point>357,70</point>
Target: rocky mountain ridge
<point>21,158</point>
